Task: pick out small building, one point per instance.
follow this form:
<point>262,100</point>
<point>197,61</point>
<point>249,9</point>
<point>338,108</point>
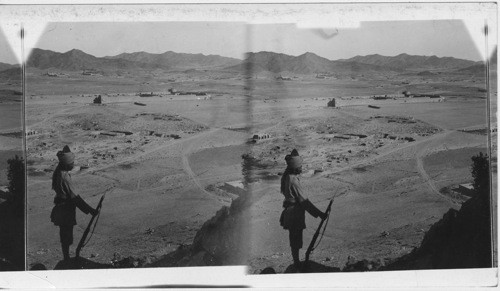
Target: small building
<point>90,73</point>
<point>280,77</point>
<point>31,132</point>
<point>261,136</point>
<point>331,103</point>
<point>147,94</point>
<point>98,100</point>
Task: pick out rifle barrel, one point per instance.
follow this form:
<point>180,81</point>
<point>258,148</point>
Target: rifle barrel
<point>316,234</point>
<point>87,230</point>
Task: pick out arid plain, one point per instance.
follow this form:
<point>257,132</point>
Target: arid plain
<point>167,162</point>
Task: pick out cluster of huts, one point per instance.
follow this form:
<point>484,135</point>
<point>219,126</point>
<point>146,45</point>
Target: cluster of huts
<point>261,136</point>
<point>31,132</point>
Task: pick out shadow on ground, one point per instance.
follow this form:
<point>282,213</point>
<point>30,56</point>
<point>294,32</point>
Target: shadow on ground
<point>309,267</point>
<point>312,267</point>
<point>80,263</point>
<point>12,235</point>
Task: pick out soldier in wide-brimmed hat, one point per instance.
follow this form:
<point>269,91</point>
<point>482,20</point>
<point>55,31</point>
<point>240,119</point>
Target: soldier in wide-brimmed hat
<point>64,212</point>
<point>295,205</point>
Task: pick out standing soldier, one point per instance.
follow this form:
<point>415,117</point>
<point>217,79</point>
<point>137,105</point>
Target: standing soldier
<point>295,204</point>
<point>64,212</point>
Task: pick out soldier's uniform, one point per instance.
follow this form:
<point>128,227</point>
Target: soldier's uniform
<point>65,202</point>
<point>295,205</point>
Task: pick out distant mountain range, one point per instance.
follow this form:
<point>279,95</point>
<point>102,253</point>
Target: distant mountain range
<point>172,60</point>
<point>74,60</point>
<point>10,72</point>
<point>307,63</point>
<point>276,63</point>
<point>4,66</point>
<point>408,62</point>
<point>78,60</point>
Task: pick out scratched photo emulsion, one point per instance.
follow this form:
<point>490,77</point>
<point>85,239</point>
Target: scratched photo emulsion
<point>12,160</point>
<point>135,134</point>
<point>373,147</point>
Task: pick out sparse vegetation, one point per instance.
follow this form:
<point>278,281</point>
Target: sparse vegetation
<point>480,171</point>
<point>12,219</point>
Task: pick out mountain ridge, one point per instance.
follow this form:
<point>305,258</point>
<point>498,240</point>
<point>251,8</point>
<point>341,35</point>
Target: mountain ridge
<point>170,59</point>
<point>74,60</point>
<point>263,61</point>
<point>416,62</point>
<point>5,66</point>
<point>307,63</point>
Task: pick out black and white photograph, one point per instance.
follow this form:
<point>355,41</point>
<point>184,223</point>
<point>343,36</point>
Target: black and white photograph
<point>287,138</point>
<point>144,138</point>
<point>378,140</point>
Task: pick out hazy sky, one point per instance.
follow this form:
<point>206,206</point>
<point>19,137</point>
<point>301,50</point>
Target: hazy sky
<point>389,38</point>
<point>438,37</point>
<point>6,53</point>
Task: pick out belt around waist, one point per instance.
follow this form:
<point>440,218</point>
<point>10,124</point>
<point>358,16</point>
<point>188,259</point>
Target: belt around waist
<point>288,203</point>
<point>58,201</point>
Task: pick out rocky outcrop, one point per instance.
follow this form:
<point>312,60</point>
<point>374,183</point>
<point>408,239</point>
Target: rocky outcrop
<point>461,239</point>
<point>364,265</point>
<point>222,240</point>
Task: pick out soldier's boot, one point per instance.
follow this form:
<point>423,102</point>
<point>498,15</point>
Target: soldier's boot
<point>65,250</point>
<point>313,210</point>
<point>296,260</point>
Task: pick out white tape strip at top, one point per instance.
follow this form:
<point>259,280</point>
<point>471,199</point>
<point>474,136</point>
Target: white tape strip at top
<point>321,16</point>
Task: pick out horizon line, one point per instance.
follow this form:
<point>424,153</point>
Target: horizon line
<point>265,51</point>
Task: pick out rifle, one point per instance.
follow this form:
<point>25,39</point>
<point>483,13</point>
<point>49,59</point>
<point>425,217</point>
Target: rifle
<point>316,234</point>
<point>82,242</point>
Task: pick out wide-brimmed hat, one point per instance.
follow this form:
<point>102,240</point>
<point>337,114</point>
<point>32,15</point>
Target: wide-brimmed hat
<point>293,160</point>
<point>66,157</point>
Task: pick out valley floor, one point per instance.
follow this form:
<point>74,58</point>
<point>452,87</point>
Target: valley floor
<point>163,167</point>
